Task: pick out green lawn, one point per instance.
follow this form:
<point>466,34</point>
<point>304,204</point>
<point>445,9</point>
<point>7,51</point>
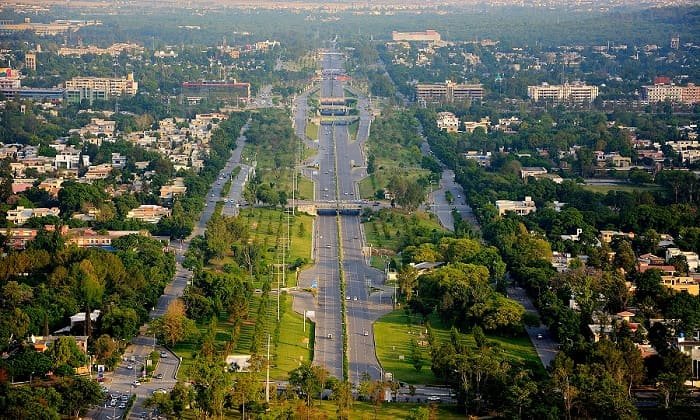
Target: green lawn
<point>368,187</point>
<point>394,332</point>
<point>294,345</point>
<point>311,130</point>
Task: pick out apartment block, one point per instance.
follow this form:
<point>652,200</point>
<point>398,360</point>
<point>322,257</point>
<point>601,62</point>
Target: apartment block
<point>448,92</point>
<point>576,93</point>
<point>99,88</point>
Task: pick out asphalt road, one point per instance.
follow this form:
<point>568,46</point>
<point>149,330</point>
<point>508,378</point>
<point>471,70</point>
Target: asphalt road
<point>545,345</point>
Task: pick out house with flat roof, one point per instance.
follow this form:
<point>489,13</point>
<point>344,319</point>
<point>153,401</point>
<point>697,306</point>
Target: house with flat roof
<point>21,215</point>
<point>521,208</point>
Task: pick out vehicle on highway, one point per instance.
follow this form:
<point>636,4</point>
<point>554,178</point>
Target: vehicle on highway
<point>328,246</point>
<point>122,406</point>
<point>159,376</point>
<point>136,383</point>
<point>347,297</point>
<point>540,336</point>
<point>130,367</point>
<point>124,397</point>
<point>354,298</point>
<point>365,333</point>
<point>330,336</point>
<point>113,403</point>
<point>434,398</point>
<point>163,354</point>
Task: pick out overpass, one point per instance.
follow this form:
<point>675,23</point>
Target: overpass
<point>326,208</point>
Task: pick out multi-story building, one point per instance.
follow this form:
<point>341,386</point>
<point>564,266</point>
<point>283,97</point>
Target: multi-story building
<point>30,60</point>
<point>682,284</point>
<point>93,88</point>
<point>428,35</point>
<point>113,50</point>
<point>521,208</point>
<point>575,92</point>
<point>9,79</point>
<point>662,92</point>
<point>448,92</point>
<point>484,124</point>
<point>21,215</point>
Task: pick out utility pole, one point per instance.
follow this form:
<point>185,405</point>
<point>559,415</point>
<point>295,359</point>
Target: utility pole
<point>267,383</point>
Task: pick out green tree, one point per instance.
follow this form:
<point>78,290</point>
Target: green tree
<point>309,380</point>
<point>78,394</point>
<point>173,326</point>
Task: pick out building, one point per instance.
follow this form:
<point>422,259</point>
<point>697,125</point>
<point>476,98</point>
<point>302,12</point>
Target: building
<point>484,124</point>
<point>113,50</point>
<point>428,35</point>
<point>21,215</point>
<point>575,93</point>
<point>448,121</point>
<point>9,79</point>
<point>607,236</point>
<point>51,186</point>
<point>98,171</point>
<point>168,192</point>
<point>216,90</point>
<point>54,28</point>
<point>99,88</point>
<point>690,257</point>
<point>99,128</point>
<point>682,284</point>
<point>662,92</point>
<point>448,92</point>
<point>148,213</point>
<point>521,208</point>
<point>67,158</point>
<point>30,60</point>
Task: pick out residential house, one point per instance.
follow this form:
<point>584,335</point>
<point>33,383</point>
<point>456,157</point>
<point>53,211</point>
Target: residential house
<point>148,213</point>
<point>21,215</point>
<point>532,171</point>
<point>484,123</point>
<point>682,284</point>
<point>98,172</point>
<point>168,192</point>
<point>521,208</point>
<point>447,121</point>
<point>607,236</point>
<point>51,186</point>
<point>690,257</point>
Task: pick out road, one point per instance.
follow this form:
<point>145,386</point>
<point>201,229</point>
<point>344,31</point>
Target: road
<point>341,164</point>
<point>545,345</point>
<point>120,381</point>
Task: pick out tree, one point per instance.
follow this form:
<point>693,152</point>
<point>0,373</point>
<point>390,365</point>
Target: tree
<point>65,352</point>
<point>78,394</point>
<point>416,356</point>
<point>309,380</point>
<point>562,379</point>
<point>212,384</point>
<point>173,326</point>
<point>107,351</point>
<point>342,394</point>
<point>407,278</point>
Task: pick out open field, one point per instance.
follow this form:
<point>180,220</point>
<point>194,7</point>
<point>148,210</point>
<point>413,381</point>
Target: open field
<point>394,332</point>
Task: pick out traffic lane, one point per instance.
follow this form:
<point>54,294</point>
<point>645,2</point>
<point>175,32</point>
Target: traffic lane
<point>545,345</point>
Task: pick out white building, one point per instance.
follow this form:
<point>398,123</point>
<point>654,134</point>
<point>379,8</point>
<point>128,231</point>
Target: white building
<point>521,208</point>
<point>448,121</point>
<point>21,215</point>
<point>690,256</point>
<point>576,92</point>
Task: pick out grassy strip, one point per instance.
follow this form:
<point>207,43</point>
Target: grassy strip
<point>352,129</point>
<point>395,331</point>
<point>311,130</point>
<point>344,318</point>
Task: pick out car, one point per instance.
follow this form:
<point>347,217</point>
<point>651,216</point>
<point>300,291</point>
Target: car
<point>365,333</point>
<point>122,406</point>
<point>159,376</point>
<point>130,366</point>
<point>160,391</point>
<point>375,204</point>
<point>347,297</point>
<point>124,397</point>
<point>163,354</point>
<point>136,383</point>
<point>330,336</point>
<point>352,193</point>
<point>354,298</point>
<point>143,415</point>
<point>356,237</point>
<point>113,403</point>
<point>328,246</point>
<point>540,336</point>
<point>434,398</point>
<point>345,193</point>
